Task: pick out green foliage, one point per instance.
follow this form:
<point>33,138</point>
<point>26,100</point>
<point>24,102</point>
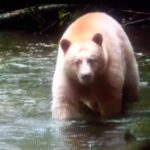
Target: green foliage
<point>63,16</point>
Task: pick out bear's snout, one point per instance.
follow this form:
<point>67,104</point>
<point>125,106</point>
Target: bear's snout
<point>86,78</point>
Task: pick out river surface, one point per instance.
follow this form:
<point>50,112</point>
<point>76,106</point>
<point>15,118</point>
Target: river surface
<point>26,68</point>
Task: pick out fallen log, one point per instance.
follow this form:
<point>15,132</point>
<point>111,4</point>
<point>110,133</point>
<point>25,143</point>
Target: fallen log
<point>35,17</point>
<point>32,10</point>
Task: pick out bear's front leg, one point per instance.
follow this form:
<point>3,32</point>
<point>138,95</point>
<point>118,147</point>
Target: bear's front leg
<point>107,100</point>
<point>71,109</point>
<point>111,104</point>
<point>65,103</point>
<point>65,109</point>
<point>110,108</point>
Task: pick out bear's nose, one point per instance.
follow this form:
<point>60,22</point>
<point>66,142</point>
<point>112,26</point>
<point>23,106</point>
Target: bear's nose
<point>86,77</point>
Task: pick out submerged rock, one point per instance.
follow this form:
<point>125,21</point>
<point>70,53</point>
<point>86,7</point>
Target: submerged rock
<point>137,135</point>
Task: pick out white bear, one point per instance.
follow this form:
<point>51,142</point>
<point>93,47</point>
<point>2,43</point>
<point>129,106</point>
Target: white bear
<point>96,70</point>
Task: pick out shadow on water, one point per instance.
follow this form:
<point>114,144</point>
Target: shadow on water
<point>26,68</point>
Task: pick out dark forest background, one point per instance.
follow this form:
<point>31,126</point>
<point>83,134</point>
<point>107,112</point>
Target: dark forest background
<point>50,15</point>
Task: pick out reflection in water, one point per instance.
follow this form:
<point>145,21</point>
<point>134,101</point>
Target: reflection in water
<point>26,68</point>
<point>78,136</point>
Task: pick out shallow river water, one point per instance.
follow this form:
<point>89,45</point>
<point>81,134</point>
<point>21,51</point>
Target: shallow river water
<point>26,68</point>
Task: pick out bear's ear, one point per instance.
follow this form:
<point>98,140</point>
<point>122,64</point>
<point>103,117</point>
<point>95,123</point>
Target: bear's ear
<point>65,44</point>
<point>98,39</point>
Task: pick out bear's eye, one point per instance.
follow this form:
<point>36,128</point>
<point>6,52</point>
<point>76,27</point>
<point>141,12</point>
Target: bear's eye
<point>77,62</point>
<point>91,60</point>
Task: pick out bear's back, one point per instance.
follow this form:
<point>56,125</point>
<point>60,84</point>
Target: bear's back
<point>87,25</point>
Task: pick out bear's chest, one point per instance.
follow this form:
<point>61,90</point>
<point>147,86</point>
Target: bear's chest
<point>91,94</point>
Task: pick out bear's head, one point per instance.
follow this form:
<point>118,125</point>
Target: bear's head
<point>84,60</point>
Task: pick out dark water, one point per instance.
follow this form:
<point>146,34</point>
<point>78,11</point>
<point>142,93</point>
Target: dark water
<point>26,68</point>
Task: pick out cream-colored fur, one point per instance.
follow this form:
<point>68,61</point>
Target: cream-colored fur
<point>112,69</point>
